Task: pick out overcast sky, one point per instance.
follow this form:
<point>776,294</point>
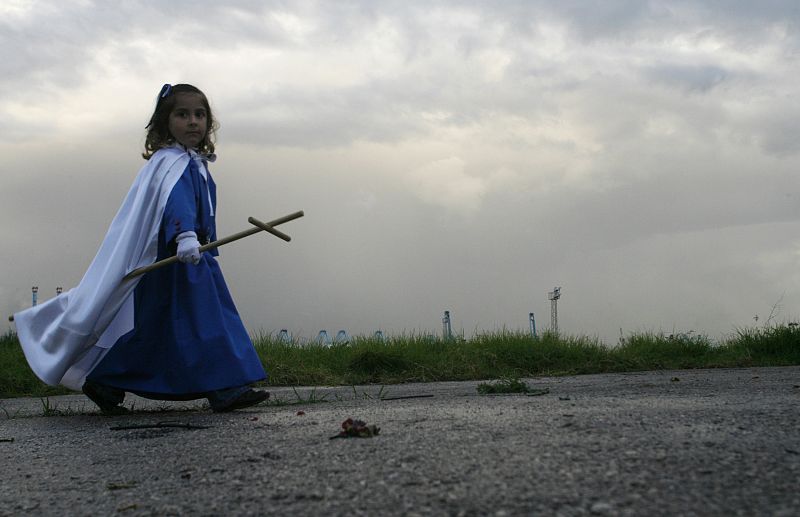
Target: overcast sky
<point>462,156</point>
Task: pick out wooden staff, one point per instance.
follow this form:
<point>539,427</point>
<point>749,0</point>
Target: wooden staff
<point>269,229</point>
<point>258,226</point>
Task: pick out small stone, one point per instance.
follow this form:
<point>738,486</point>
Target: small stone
<point>601,508</point>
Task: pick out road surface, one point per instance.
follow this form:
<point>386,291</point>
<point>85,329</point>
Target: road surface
<point>689,442</point>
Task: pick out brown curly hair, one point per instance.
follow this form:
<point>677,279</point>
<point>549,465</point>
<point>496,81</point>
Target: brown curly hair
<point>158,135</point>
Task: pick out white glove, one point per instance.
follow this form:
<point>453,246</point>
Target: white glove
<point>188,248</point>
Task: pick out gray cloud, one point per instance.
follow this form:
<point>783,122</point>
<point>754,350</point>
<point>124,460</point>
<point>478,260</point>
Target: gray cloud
<point>465,156</point>
<point>690,78</point>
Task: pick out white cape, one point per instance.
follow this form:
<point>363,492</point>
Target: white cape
<point>65,337</point>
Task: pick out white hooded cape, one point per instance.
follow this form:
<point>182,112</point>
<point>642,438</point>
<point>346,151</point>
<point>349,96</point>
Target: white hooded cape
<point>65,337</point>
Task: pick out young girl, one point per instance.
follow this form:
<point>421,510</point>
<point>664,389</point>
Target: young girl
<point>173,333</point>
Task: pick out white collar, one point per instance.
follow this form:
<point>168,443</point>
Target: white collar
<point>210,157</point>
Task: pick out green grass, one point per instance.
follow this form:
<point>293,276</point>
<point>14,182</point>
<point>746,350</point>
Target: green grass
<point>494,355</point>
<point>16,378</point>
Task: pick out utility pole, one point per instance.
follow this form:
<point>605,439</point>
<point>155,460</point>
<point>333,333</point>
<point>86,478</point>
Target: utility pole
<point>553,296</point>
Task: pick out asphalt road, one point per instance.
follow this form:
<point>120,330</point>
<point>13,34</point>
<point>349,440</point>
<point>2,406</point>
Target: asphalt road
<point>690,442</point>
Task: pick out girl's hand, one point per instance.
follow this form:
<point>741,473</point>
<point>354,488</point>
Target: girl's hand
<point>188,248</point>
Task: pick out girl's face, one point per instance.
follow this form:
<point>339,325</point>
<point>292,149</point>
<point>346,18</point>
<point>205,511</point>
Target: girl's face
<point>188,121</point>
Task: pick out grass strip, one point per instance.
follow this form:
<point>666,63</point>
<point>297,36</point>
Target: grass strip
<point>493,355</point>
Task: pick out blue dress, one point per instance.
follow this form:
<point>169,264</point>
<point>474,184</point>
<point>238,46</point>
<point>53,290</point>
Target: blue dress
<point>188,338</point>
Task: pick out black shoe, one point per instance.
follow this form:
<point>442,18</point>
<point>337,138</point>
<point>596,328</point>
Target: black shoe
<point>246,399</point>
<point>108,399</point>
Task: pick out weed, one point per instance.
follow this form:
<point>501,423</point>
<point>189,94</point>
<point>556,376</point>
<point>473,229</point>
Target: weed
<point>508,385</point>
<point>366,396</point>
<point>312,398</point>
<point>49,409</point>
<point>8,414</point>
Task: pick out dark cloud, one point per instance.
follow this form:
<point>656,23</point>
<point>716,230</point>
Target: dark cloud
<point>690,78</point>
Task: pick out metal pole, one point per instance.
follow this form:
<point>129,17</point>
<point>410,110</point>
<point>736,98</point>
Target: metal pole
<point>554,296</point>
<point>447,331</point>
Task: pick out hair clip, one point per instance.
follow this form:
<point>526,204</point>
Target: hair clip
<point>166,90</point>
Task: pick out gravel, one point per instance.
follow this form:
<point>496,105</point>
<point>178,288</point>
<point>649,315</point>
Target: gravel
<point>689,442</point>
